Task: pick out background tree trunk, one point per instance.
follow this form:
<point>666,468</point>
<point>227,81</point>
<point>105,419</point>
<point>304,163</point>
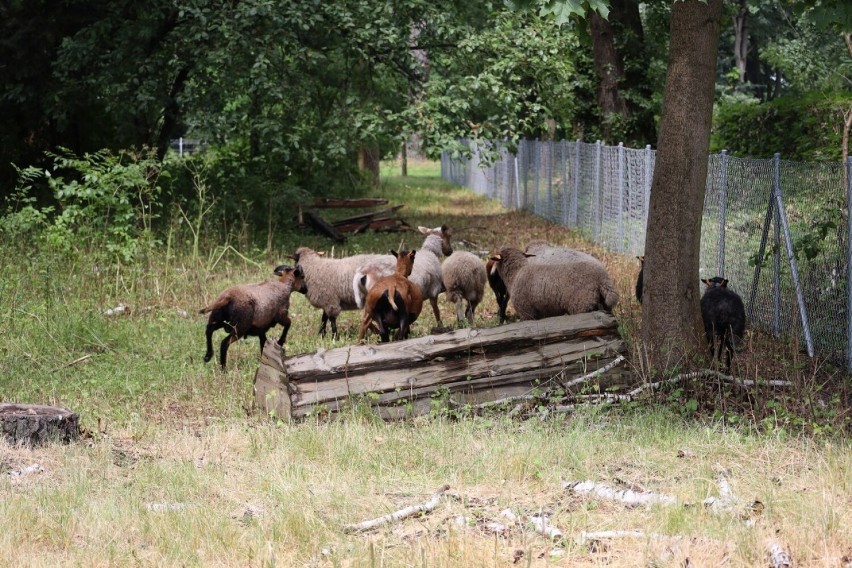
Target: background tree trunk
<point>670,310</point>
<point>368,161</point>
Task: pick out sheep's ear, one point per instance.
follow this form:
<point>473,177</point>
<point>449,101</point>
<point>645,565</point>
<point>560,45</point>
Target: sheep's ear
<point>445,229</point>
<point>395,254</point>
<point>281,269</point>
<point>641,258</point>
<point>707,282</point>
<point>724,283</point>
<point>528,255</point>
<point>496,258</point>
<point>411,253</point>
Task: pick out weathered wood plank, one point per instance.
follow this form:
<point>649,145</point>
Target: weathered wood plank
<point>474,391</point>
<point>484,365</point>
<point>369,215</point>
<point>517,336</point>
<point>323,226</point>
<point>469,365</point>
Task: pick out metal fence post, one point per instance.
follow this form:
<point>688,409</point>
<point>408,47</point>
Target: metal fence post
<point>791,257</point>
<point>723,211</point>
<point>576,183</point>
<point>649,178</point>
<point>564,156</point>
<point>849,263</point>
<point>622,182</point>
<point>548,164</point>
<point>776,281</point>
<point>517,181</point>
<point>597,197</point>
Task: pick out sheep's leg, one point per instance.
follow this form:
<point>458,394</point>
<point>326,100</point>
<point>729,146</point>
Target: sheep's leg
<point>262,338</point>
<point>333,320</point>
<point>211,327</point>
<point>404,317</point>
<point>286,323</point>
<point>434,302</point>
<point>322,325</point>
<point>223,348</point>
<point>469,312</point>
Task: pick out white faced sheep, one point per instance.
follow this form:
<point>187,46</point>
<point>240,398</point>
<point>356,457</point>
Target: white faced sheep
<point>427,266</point>
<point>723,313</point>
<point>545,290</point>
<point>252,309</point>
<point>394,301</point>
<point>640,278</point>
<point>329,282</point>
<point>464,280</point>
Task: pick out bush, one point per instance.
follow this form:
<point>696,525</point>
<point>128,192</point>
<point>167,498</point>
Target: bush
<point>800,128</point>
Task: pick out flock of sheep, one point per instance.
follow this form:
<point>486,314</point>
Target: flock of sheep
<point>541,281</point>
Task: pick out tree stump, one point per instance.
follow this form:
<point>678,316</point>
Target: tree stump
<point>35,424</point>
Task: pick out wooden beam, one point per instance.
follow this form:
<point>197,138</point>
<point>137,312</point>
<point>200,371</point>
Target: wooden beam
<point>470,365</point>
<point>331,202</point>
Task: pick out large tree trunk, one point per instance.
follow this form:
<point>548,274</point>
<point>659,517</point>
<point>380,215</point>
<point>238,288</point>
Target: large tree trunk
<point>741,39</point>
<point>616,41</point>
<point>368,162</point>
<point>670,307</point>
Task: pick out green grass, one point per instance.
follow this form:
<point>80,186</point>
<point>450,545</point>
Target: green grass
<point>178,470</point>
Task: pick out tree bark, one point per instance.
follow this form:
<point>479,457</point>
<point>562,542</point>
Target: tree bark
<point>368,161</point>
<point>616,42</point>
<point>670,306</point>
<point>741,39</point>
<point>34,424</point>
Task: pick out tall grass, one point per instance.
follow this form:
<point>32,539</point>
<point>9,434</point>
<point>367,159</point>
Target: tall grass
<point>177,469</point>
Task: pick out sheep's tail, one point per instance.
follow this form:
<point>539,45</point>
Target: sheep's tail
<point>220,302</point>
<point>392,293</point>
<point>609,297</point>
<point>359,286</point>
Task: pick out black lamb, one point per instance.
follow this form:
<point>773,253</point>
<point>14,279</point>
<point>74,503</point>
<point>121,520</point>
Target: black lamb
<point>724,318</point>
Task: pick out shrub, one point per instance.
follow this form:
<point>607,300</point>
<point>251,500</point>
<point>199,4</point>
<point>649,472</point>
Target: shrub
<point>800,128</point>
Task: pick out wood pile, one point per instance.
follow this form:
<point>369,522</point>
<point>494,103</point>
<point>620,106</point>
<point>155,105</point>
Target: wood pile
<point>378,220</point>
<point>462,368</point>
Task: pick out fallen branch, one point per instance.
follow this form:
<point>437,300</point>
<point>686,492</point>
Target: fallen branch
<point>74,362</point>
<point>399,515</point>
<point>542,525</point>
<point>778,555</point>
<point>725,501</point>
<point>627,496</point>
<point>611,365</point>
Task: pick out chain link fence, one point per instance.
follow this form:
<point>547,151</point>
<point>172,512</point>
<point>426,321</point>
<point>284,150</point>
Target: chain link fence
<point>778,230</point>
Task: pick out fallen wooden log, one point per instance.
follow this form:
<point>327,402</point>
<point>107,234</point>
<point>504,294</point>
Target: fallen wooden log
<point>362,217</point>
<point>323,226</point>
<point>35,424</point>
<point>383,224</point>
<point>465,367</point>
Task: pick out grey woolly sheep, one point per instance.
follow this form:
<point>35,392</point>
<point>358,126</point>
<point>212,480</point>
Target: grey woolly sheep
<point>545,253</point>
<point>544,290</point>
<point>723,313</point>
<point>252,309</point>
<point>499,287</point>
<point>427,266</point>
<point>329,282</point>
<point>464,280</point>
<point>394,301</point>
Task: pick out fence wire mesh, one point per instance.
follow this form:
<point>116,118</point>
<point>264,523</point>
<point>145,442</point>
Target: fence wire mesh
<point>777,230</point>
